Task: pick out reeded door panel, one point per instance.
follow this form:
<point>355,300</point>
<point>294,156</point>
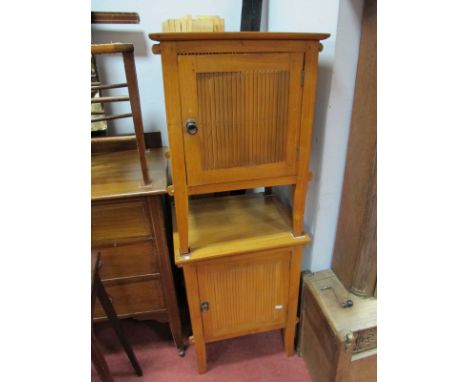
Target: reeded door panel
<point>244,295</point>
<point>241,115</point>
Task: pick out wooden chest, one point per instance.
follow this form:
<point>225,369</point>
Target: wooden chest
<point>239,113</point>
<point>242,276</point>
<point>337,344</point>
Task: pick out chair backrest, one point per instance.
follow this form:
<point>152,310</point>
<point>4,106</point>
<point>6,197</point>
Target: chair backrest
<point>133,97</point>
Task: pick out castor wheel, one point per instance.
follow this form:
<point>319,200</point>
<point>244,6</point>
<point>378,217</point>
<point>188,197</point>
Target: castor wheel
<point>181,352</point>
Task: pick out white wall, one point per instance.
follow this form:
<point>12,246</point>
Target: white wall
<point>152,14</point>
<point>337,68</point>
<point>337,72</point>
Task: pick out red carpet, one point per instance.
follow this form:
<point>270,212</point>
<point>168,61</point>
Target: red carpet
<point>258,357</point>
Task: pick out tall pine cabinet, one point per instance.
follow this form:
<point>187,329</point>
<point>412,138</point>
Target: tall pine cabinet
<point>240,108</point>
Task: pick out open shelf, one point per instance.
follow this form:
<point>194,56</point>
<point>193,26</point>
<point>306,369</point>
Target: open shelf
<point>222,226</point>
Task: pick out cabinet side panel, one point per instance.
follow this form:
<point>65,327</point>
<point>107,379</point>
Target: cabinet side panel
<point>176,141</point>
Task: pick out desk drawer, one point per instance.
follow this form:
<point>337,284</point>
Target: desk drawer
<point>114,222</point>
<point>130,297</point>
<point>129,260</point>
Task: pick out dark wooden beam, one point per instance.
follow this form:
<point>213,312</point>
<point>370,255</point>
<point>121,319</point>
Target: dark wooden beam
<point>115,18</point>
<point>251,15</point>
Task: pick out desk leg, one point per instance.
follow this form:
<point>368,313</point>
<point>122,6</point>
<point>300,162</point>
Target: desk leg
<point>191,284</point>
<point>167,278</point>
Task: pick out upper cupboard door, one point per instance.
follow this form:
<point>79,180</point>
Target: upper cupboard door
<point>241,115</point>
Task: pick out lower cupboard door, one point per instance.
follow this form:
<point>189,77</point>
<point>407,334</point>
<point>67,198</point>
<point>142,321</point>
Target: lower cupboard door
<point>244,294</point>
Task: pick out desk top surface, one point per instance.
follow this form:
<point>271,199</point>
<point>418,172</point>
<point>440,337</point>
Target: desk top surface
<point>223,226</point>
<point>118,174</point>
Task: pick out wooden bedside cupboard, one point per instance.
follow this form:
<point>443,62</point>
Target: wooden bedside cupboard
<point>239,108</point>
<point>242,275</point>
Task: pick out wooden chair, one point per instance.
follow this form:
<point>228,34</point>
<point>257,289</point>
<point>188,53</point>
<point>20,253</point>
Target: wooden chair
<point>133,97</point>
<point>98,360</point>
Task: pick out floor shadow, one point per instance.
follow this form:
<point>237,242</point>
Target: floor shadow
<point>254,346</point>
<point>138,333</point>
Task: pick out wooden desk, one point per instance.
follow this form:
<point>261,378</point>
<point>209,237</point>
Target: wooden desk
<point>242,273</point>
<point>129,229</point>
<point>118,175</point>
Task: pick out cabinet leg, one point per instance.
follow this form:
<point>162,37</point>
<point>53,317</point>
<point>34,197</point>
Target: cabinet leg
<point>200,349</point>
<point>294,280</point>
<point>181,212</point>
<point>191,283</point>
<point>299,199</point>
<point>288,340</point>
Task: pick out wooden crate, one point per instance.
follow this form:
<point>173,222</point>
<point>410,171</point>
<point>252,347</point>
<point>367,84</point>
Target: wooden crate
<point>190,24</point>
<point>337,344</point>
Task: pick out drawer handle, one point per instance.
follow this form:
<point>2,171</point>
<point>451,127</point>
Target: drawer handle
<point>191,127</point>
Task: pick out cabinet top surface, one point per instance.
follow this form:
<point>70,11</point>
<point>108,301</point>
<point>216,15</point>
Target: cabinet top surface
<point>118,174</point>
<point>191,36</point>
<point>223,226</point>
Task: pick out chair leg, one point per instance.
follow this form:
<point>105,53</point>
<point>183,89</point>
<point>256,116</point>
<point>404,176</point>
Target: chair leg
<point>99,361</point>
<point>110,312</point>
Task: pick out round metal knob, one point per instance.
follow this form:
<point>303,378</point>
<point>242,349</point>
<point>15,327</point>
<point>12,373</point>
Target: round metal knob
<point>191,127</point>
